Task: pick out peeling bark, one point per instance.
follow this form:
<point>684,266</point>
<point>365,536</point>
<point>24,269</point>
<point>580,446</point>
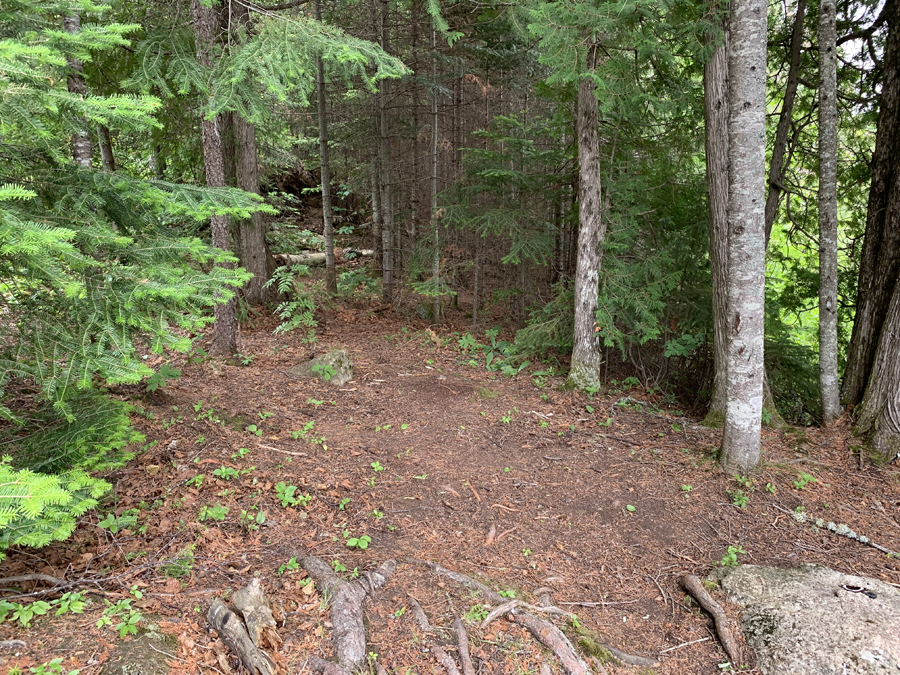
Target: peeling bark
<point>233,633</point>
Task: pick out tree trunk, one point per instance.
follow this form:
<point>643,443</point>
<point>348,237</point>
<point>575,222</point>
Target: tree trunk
<point>715,92</point>
<point>387,212</point>
<point>107,158</point>
<point>327,214</point>
<point>878,301</point>
<point>584,370</point>
<point>435,230</point>
<point>776,167</point>
<point>81,139</point>
<point>828,225</point>
<point>252,248</point>
<point>880,264</point>
<point>225,328</point>
<point>746,235</point>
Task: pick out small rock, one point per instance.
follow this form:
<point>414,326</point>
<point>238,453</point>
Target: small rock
<point>142,654</point>
<point>334,367</point>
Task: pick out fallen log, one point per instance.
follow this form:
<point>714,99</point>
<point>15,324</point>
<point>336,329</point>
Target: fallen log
<point>234,634</point>
<point>315,258</point>
<point>349,633</point>
<point>692,585</point>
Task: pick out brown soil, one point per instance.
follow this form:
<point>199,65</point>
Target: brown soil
<point>614,511</point>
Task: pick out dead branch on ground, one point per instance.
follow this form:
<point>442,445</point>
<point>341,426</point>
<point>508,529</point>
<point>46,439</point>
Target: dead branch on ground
<point>233,633</point>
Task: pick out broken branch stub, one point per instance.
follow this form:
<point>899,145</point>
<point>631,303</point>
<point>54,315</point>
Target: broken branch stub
<point>251,601</point>
<point>234,634</point>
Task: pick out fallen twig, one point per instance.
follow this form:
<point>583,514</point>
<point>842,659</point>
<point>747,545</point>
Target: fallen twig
<point>694,586</point>
<point>31,577</point>
<point>440,655</point>
<point>684,644</point>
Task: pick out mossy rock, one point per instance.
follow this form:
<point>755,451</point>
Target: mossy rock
<point>590,647</point>
<point>486,393</point>
<point>144,654</point>
<point>334,367</point>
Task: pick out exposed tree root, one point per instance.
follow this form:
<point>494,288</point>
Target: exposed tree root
<point>694,586</point>
<point>440,655</point>
<point>545,632</point>
<point>553,639</point>
<point>462,643</point>
<point>324,667</point>
<point>349,633</point>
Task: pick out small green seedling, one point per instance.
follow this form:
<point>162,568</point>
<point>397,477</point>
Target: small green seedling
<point>226,473</point>
<point>739,498</point>
<point>687,488</point>
<point>376,466</point>
<point>289,566</point>
<point>630,508</point>
<point>361,543</point>
<point>730,557</point>
<point>217,512</point>
<point>253,429</point>
<point>804,480</point>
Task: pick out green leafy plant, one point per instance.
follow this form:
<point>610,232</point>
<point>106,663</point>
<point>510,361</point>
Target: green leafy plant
<point>53,667</point>
<point>476,614</point>
<point>241,453</point>
<point>739,498</point>
<point>803,480</point>
<point>217,512</point>
<point>251,520</point>
<point>127,616</point>
<point>324,370</point>
<point>114,524</point>
<point>376,466</point>
<point>361,543</point>
<point>253,429</point>
<point>226,472</point>
<point>342,505</point>
<point>159,378</point>
<point>287,495</point>
<point>730,557</point>
<point>289,566</point>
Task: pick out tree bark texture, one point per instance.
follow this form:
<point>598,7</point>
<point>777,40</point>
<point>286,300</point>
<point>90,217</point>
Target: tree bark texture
<point>715,94</point>
<point>435,220</point>
<point>225,328</point>
<point>81,139</point>
<point>584,370</point>
<point>776,167</point>
<point>377,223</point>
<point>251,246</point>
<point>880,264</point>
<point>878,302</point>
<point>107,158</point>
<point>384,164</point>
<point>327,214</point>
<point>746,235</point>
<point>828,212</point>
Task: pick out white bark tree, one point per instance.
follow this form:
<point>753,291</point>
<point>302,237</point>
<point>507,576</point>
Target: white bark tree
<point>746,235</point>
<point>828,225</point>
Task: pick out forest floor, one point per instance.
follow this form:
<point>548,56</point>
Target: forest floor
<point>607,499</point>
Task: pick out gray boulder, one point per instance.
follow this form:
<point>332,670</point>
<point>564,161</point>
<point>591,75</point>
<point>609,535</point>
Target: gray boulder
<point>811,620</point>
<point>334,367</point>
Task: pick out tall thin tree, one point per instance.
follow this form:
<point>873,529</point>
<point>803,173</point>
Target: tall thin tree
<point>828,213</point>
<point>225,328</point>
<point>325,171</point>
<point>81,139</point>
<point>584,368</point>
<point>746,235</point>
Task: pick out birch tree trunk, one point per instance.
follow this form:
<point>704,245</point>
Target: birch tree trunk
<point>746,235</point>
<point>880,264</point>
<point>327,214</point>
<point>785,117</point>
<point>81,139</point>
<point>828,225</point>
<point>225,328</point>
<point>584,370</point>
<point>715,94</point>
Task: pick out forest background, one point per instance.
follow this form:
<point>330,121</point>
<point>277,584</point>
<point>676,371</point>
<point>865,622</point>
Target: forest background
<point>156,155</point>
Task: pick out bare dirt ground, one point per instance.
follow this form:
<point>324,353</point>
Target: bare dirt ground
<point>606,499</point>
